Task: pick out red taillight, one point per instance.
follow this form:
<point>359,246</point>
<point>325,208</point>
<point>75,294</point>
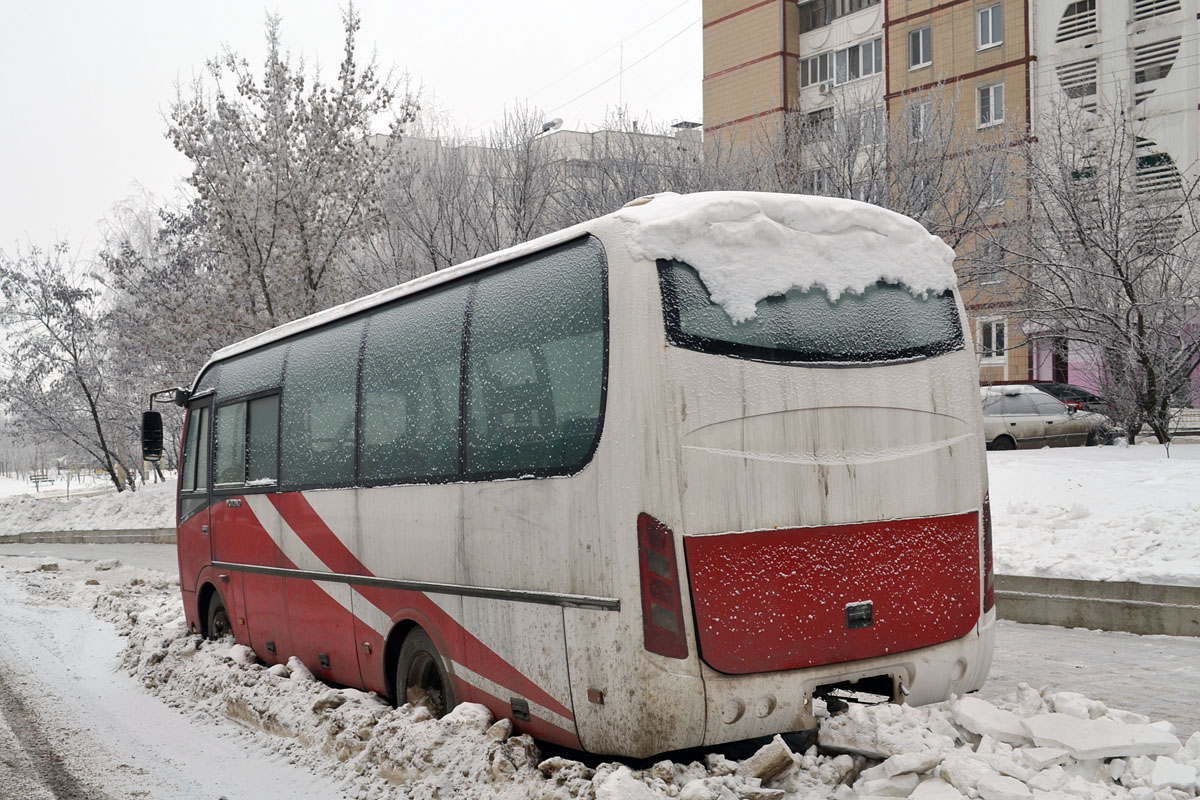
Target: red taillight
<point>989,576</point>
<point>662,611</point>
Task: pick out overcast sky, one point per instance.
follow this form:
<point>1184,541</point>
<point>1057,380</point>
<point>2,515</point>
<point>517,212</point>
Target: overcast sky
<point>85,85</point>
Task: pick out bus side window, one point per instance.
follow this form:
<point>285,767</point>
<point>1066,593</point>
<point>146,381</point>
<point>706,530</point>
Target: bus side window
<point>535,368</point>
<point>410,383</point>
<point>319,407</point>
<point>247,442</point>
<point>193,476</point>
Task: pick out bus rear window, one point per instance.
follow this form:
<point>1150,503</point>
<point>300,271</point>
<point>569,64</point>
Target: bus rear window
<point>884,323</point>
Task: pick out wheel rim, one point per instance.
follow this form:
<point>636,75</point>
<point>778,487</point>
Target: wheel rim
<point>423,685</point>
<point>220,627</point>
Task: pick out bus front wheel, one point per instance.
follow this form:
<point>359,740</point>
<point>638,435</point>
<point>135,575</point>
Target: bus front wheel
<point>421,677</point>
<point>218,619</point>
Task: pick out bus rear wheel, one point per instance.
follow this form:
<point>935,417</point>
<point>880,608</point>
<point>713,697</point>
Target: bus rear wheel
<point>421,677</point>
<point>218,619</point>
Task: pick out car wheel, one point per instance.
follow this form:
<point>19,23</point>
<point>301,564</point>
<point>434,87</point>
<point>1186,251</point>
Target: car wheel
<point>218,619</point>
<point>421,677</point>
<point>1093,438</point>
<point>1004,443</point>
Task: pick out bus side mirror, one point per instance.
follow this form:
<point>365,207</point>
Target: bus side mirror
<point>152,436</point>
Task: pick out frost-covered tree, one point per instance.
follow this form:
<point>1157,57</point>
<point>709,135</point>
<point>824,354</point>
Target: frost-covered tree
<point>1110,263</point>
<point>286,170</point>
<point>58,383</point>
<point>923,161</point>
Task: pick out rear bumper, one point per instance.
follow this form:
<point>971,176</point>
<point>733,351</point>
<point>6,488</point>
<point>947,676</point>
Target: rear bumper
<point>747,706</point>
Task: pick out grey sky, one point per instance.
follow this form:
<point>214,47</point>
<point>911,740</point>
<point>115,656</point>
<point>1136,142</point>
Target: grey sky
<point>85,85</point>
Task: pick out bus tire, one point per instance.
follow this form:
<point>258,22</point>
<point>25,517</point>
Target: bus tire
<point>219,625</point>
<point>421,677</point>
<point>1003,443</point>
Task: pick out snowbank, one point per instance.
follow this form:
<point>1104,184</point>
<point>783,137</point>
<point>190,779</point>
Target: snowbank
<point>1098,513</point>
<point>1029,744</point>
<point>747,246</point>
<point>102,508</point>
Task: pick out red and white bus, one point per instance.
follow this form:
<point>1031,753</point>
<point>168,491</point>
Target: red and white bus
<point>655,481</point>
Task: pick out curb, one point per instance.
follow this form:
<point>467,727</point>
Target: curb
<point>136,536</point>
<point>1142,608</point>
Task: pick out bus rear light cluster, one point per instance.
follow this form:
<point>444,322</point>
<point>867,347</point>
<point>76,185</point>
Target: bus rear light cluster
<point>662,611</point>
<point>989,575</point>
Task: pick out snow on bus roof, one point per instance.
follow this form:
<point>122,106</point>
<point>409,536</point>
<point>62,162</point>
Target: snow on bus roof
<point>747,246</point>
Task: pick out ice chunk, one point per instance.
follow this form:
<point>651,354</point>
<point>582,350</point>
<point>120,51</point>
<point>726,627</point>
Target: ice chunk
<point>1000,787</point>
<point>1041,757</point>
<point>770,760</point>
<point>1048,779</point>
<point>898,786</point>
<point>981,717</point>
<point>298,671</point>
<point>1099,738</point>
<point>904,763</point>
<point>620,784</point>
<point>1170,774</point>
<point>1077,705</point>
<point>935,789</point>
<point>964,770</point>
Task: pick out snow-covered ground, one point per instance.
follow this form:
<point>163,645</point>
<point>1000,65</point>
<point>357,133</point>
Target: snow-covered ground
<point>81,676</point>
<point>1099,513</point>
<point>92,505</point>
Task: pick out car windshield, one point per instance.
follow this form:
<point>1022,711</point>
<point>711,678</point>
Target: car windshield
<point>884,323</point>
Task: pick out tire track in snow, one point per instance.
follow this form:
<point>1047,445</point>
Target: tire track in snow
<point>38,764</point>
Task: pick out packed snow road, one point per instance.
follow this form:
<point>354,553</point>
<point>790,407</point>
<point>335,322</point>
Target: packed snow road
<point>104,695</point>
<point>72,726</point>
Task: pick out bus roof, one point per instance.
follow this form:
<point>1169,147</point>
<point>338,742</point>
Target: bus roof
<point>743,245</point>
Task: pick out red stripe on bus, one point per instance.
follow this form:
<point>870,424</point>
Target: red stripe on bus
<point>324,543</point>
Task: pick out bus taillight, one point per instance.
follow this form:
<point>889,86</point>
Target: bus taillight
<point>989,575</point>
<point>662,611</point>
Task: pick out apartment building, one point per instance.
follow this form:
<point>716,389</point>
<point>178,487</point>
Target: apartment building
<point>767,62</point>
<point>971,60</point>
<point>1138,55</point>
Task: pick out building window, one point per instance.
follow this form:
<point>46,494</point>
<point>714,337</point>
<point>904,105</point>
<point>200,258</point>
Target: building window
<point>819,13</point>
<point>920,48</point>
<point>994,181</point>
<point>991,26</point>
<point>863,128</point>
<point>1152,62</point>
<point>993,341</point>
<point>1077,21</point>
<point>990,266</point>
<point>818,126</point>
<point>991,104</point>
<point>1078,78</point>
<point>920,119</point>
<point>814,70</point>
<point>858,61</point>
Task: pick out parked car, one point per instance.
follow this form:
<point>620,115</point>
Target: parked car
<point>1023,416</point>
<point>1074,396</point>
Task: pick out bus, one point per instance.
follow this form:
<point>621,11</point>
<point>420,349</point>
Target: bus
<point>683,475</point>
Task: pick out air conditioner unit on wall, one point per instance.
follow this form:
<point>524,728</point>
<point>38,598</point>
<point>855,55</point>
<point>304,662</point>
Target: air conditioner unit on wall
<point>825,87</point>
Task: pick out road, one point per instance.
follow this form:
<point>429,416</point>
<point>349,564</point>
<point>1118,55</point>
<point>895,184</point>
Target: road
<point>72,729</point>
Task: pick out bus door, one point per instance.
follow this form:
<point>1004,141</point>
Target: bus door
<point>245,531</point>
<point>192,535</point>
